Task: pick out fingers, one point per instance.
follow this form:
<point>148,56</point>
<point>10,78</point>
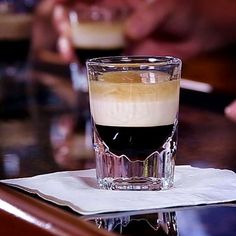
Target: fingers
<point>230,111</point>
<point>65,48</point>
<point>62,25</point>
<point>147,16</point>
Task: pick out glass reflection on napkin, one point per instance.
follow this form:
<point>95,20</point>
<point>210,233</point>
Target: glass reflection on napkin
<point>78,190</point>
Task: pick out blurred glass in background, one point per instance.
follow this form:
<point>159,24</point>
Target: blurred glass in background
<point>16,18</point>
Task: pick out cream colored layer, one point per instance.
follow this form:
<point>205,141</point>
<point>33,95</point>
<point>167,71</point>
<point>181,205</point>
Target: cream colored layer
<point>15,26</point>
<point>102,35</point>
<point>116,102</point>
<point>134,114</point>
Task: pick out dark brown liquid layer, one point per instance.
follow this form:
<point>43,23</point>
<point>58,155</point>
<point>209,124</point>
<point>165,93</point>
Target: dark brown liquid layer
<point>85,54</point>
<point>134,142</point>
<point>14,50</point>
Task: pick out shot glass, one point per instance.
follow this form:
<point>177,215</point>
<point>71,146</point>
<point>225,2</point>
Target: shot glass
<point>134,105</point>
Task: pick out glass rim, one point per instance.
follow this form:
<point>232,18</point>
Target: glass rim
<point>134,61</point>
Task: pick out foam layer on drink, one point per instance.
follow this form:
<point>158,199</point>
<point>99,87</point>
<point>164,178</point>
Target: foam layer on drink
<point>98,35</point>
<point>131,99</point>
<point>15,26</point>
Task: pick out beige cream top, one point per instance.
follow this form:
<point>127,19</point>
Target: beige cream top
<point>134,99</point>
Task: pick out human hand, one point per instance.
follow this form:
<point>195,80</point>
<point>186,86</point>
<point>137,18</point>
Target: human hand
<point>181,28</point>
<point>52,36</point>
<point>139,26</point>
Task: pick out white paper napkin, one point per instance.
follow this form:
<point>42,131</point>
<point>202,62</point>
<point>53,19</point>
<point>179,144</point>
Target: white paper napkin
<point>78,190</point>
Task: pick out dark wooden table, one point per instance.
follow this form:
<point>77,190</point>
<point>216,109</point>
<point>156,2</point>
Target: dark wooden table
<point>39,133</point>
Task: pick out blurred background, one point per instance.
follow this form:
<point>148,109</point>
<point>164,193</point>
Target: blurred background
<point>44,113</point>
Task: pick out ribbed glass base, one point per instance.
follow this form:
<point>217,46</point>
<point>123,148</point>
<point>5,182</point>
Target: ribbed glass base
<point>156,172</point>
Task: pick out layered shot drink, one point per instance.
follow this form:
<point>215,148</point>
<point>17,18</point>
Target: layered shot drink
<point>134,106</point>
